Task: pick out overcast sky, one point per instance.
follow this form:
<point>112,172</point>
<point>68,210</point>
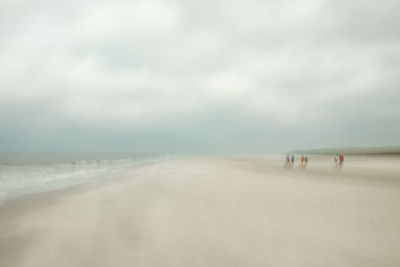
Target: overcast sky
<point>198,76</point>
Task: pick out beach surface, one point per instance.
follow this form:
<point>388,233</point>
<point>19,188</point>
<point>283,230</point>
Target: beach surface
<point>214,211</point>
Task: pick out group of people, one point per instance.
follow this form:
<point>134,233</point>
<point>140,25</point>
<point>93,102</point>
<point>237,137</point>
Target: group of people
<point>290,162</point>
<point>339,159</point>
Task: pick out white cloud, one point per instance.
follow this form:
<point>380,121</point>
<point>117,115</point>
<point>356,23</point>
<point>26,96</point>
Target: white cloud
<point>282,64</point>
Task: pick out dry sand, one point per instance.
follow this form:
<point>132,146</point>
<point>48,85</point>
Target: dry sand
<point>204,211</point>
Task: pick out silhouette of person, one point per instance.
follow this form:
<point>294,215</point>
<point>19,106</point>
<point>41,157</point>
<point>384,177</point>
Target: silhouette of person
<point>287,164</point>
<point>292,161</point>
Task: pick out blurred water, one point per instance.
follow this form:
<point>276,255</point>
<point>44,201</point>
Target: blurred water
<point>27,173</point>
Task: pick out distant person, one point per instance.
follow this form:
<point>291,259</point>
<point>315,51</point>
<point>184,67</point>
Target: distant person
<point>341,160</point>
<point>336,160</point>
<point>287,164</point>
<point>291,166</point>
<point>305,162</point>
<point>301,161</point>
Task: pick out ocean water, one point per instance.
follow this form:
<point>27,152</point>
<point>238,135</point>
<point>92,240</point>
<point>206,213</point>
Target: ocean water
<point>33,172</point>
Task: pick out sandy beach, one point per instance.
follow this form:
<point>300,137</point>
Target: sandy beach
<point>214,211</point>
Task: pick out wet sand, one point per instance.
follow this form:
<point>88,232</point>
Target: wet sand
<point>214,211</point>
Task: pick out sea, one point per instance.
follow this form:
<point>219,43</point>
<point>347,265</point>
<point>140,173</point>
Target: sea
<point>23,173</point>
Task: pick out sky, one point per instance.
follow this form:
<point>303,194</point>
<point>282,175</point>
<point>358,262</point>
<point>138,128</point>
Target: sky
<point>186,76</point>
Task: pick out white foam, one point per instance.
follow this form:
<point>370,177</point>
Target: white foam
<point>16,180</point>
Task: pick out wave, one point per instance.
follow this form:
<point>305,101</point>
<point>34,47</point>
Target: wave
<point>19,179</point>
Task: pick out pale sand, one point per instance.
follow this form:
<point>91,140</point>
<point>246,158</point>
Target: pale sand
<point>214,212</point>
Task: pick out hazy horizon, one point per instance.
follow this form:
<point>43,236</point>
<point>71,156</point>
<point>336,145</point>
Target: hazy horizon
<point>198,77</point>
<point>49,153</point>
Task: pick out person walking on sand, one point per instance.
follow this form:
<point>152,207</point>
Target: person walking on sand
<point>291,166</point>
<point>341,160</point>
<point>301,161</point>
<point>305,162</point>
<point>336,160</point>
<point>287,164</point>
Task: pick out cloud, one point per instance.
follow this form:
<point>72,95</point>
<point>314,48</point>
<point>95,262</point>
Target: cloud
<point>188,76</point>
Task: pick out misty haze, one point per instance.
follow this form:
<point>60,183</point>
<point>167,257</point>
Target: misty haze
<point>199,133</point>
